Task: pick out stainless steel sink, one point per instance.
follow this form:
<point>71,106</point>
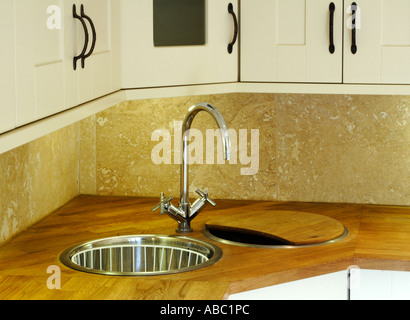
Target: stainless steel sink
<point>244,238</point>
<point>141,255</point>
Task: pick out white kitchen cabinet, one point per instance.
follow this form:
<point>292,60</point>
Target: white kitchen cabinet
<point>39,60</point>
<point>289,41</point>
<point>101,74</point>
<point>147,65</point>
<point>332,286</point>
<point>7,75</point>
<point>48,37</point>
<point>382,40</point>
<point>352,284</point>
<point>380,285</point>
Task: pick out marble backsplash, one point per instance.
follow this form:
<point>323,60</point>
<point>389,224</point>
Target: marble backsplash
<point>37,178</point>
<point>318,148</point>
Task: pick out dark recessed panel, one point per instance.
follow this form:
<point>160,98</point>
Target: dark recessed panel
<point>179,22</point>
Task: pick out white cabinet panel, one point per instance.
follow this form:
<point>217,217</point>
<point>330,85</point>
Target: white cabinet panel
<point>400,288</point>
<point>72,48</point>
<point>395,55</point>
<point>395,64</point>
<point>331,286</point>
<point>371,285</point>
<point>380,285</point>
<point>291,22</point>
<point>145,65</point>
<point>364,65</point>
<point>39,60</point>
<point>258,40</point>
<point>7,76</point>
<point>383,43</point>
<point>98,77</point>
<point>48,38</point>
<point>288,41</point>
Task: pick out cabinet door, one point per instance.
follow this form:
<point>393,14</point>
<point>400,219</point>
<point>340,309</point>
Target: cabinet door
<point>39,59</point>
<point>380,285</point>
<point>289,40</point>
<point>146,65</point>
<point>383,42</point>
<point>7,88</point>
<point>101,73</point>
<point>331,286</point>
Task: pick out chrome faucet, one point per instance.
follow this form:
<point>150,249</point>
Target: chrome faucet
<point>185,212</point>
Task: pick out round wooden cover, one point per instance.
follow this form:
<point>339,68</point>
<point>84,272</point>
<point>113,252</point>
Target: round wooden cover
<point>292,227</point>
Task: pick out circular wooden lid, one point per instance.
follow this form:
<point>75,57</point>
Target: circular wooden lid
<point>291,227</point>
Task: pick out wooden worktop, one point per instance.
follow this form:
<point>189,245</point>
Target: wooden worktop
<point>379,238</point>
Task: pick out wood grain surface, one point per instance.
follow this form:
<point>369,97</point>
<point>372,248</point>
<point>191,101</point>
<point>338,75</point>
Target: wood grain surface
<point>289,227</point>
<point>25,259</point>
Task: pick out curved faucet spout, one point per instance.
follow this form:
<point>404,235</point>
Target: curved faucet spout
<point>189,118</point>
<point>185,212</point>
<point>186,125</point>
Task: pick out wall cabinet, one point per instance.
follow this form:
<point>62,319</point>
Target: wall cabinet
<point>282,41</point>
<point>39,61</point>
<point>102,72</point>
<point>383,43</point>
<point>147,65</point>
<point>47,38</point>
<point>7,77</point>
<point>289,41</point>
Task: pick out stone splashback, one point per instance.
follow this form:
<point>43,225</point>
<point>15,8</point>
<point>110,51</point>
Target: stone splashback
<point>320,148</point>
<point>36,179</point>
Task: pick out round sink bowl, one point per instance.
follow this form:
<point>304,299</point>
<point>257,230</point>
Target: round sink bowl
<point>244,238</point>
<point>141,255</point>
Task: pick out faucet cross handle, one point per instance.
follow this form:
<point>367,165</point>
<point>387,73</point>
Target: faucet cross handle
<point>204,196</point>
<point>162,203</point>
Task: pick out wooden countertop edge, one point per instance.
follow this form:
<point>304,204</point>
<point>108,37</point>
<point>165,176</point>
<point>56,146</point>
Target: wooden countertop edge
<point>381,264</point>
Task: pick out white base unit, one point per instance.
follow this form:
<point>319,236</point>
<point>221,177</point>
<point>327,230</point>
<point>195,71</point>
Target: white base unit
<point>379,285</point>
<point>355,284</point>
<point>331,286</point>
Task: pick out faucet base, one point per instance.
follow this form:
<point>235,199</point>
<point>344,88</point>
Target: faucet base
<point>184,227</point>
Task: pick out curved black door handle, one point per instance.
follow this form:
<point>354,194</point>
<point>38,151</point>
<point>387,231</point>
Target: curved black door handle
<point>354,46</point>
<point>83,15</point>
<point>331,24</point>
<point>235,30</point>
<point>80,56</point>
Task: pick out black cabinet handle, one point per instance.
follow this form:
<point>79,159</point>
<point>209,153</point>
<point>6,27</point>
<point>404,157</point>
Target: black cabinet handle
<point>331,23</point>
<point>80,56</point>
<point>83,15</point>
<point>354,46</point>
<point>235,30</point>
